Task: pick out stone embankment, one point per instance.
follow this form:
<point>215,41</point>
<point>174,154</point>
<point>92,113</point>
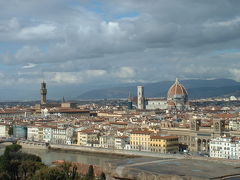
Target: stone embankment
<point>113,151</point>
<point>32,144</point>
<point>129,153</point>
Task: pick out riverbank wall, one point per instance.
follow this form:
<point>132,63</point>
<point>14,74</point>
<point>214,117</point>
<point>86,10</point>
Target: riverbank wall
<point>32,144</point>
<point>129,153</point>
<point>112,151</point>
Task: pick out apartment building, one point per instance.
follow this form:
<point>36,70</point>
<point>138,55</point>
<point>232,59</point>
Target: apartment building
<point>164,144</point>
<point>140,140</point>
<point>4,130</point>
<point>121,142</point>
<point>225,147</point>
<point>87,137</point>
<point>32,133</point>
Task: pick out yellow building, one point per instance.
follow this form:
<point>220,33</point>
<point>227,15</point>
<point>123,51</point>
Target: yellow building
<point>164,144</point>
<point>140,140</point>
<point>87,137</point>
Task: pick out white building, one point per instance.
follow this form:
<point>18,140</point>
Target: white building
<point>62,135</point>
<point>4,130</point>
<point>47,134</point>
<point>121,142</point>
<point>225,147</point>
<point>32,133</point>
<point>156,103</point>
<point>234,125</point>
<point>233,98</point>
<point>107,141</point>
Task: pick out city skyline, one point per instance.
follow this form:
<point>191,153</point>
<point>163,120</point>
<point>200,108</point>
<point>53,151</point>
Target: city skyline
<point>95,44</point>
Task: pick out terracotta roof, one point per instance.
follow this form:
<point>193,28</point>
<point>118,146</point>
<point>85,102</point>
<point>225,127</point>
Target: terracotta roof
<point>225,115</point>
<point>88,131</point>
<point>69,111</point>
<point>82,168</point>
<point>177,89</point>
<point>119,123</point>
<point>141,132</point>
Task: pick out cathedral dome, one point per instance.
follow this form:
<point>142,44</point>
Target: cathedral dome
<point>177,90</point>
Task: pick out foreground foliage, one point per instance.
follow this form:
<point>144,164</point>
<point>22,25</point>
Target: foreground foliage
<point>16,165</point>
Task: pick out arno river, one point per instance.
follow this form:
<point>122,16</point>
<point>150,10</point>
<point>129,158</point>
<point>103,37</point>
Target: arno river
<point>48,156</point>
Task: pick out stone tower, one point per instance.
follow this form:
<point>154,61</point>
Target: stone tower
<point>141,99</point>
<point>195,124</point>
<point>218,126</point>
<point>43,92</point>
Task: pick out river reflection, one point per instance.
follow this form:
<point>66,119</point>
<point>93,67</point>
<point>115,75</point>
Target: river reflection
<point>48,156</point>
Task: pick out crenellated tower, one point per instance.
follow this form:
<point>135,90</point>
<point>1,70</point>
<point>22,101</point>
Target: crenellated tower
<point>43,92</point>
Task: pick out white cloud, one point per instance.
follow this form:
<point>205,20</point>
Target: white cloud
<point>125,72</point>
<point>41,31</point>
<point>235,74</point>
<point>231,22</point>
<point>29,65</point>
<point>73,77</point>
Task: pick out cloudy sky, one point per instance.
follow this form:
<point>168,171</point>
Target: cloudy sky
<point>93,43</point>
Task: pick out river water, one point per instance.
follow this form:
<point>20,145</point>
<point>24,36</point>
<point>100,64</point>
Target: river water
<point>48,156</point>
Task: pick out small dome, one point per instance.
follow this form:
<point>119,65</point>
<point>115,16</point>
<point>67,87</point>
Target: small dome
<point>177,90</point>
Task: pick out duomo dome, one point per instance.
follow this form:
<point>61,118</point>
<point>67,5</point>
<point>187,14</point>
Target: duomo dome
<point>177,96</point>
<point>177,90</point>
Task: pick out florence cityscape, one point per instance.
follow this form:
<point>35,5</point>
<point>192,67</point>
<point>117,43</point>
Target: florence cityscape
<point>119,89</point>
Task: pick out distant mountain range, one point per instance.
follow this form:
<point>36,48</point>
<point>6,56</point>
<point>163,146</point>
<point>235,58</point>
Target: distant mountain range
<point>196,89</point>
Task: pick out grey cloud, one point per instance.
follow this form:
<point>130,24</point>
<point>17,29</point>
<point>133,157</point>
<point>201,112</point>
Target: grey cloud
<point>164,39</point>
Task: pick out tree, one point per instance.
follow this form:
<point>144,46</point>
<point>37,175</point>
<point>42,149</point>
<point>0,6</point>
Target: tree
<point>69,171</point>
<point>12,148</point>
<point>90,174</point>
<point>66,169</point>
<point>18,165</point>
<point>29,168</point>
<point>62,172</point>
<point>10,131</point>
<point>50,173</point>
<point>4,176</point>
<point>102,176</point>
<point>13,171</point>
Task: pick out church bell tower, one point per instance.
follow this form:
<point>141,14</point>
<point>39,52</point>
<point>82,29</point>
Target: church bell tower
<point>43,92</point>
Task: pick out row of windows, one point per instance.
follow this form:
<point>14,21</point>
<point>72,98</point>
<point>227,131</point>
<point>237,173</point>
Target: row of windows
<point>136,143</point>
<point>159,145</point>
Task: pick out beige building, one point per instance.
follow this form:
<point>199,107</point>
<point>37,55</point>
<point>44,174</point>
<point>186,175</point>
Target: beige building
<point>40,134</point>
<point>87,138</point>
<point>164,144</point>
<point>140,140</point>
<point>68,105</point>
<point>197,138</point>
<point>4,130</point>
